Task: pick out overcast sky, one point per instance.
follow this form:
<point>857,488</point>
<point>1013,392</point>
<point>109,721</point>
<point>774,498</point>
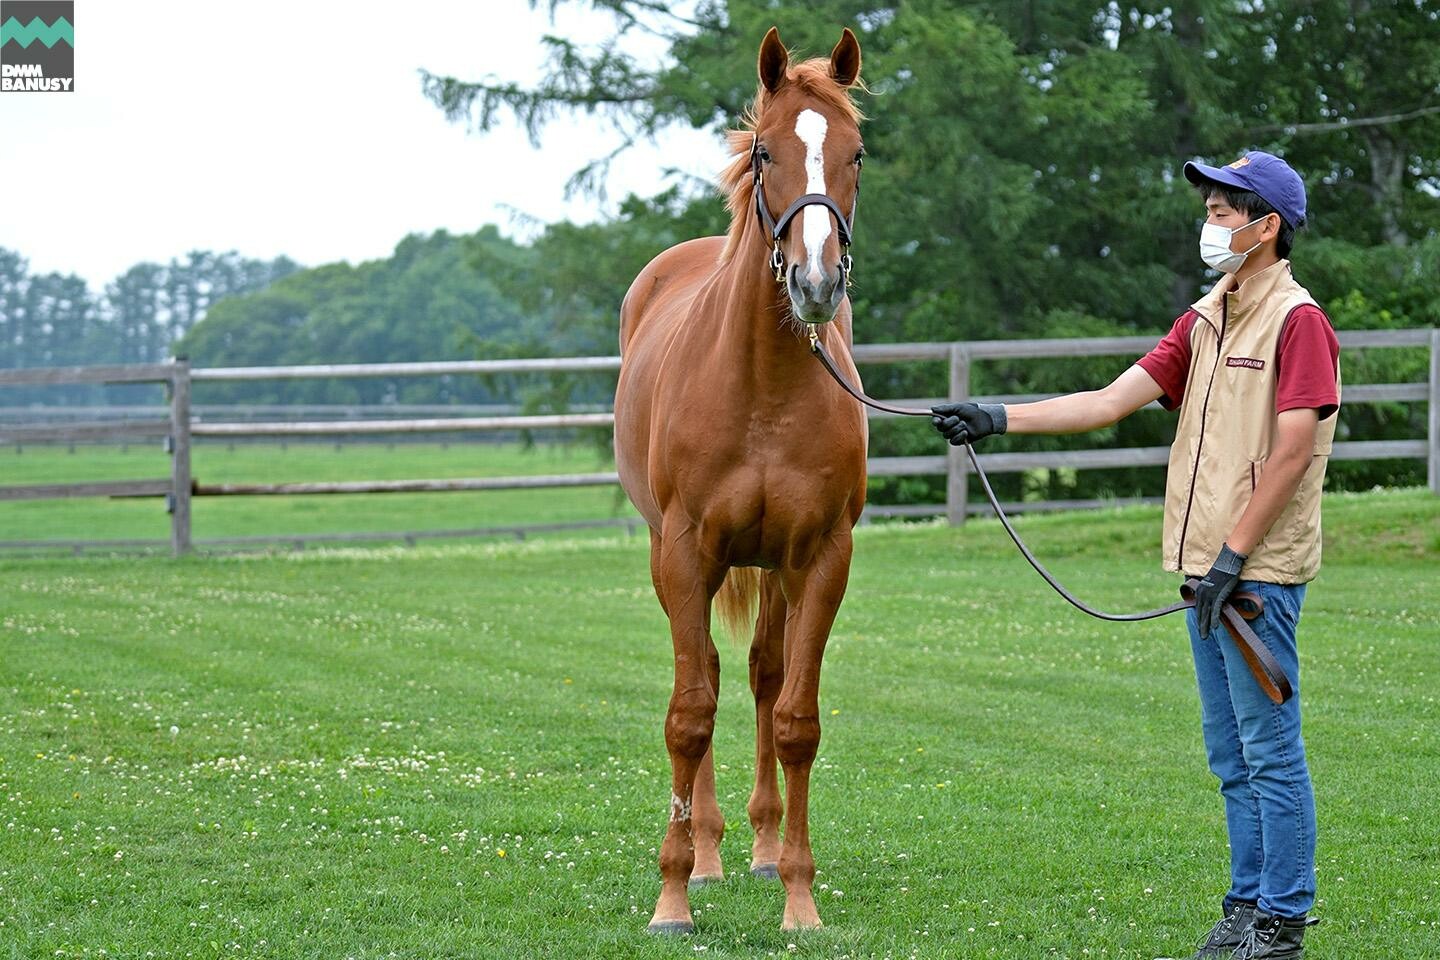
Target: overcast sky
<point>298,128</point>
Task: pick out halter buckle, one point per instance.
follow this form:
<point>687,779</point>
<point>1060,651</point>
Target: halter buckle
<point>777,262</point>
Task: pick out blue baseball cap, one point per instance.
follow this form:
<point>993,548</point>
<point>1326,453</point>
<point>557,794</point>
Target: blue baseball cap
<point>1264,174</point>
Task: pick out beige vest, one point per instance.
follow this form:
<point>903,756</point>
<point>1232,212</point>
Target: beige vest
<point>1227,428</point>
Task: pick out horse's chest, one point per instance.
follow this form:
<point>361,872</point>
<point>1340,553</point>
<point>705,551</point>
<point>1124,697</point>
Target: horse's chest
<point>772,452</point>
<point>772,438</point>
<point>774,472</point>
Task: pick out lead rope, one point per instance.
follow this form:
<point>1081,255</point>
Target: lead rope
<point>1234,613</point>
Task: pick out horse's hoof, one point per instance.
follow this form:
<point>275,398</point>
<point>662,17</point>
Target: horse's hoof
<point>671,928</point>
<point>765,871</point>
<point>705,881</point>
<point>792,926</point>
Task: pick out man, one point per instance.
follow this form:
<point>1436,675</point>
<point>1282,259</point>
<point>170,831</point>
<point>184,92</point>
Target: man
<point>1253,369</point>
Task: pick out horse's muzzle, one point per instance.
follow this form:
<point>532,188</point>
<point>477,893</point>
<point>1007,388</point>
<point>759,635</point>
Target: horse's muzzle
<point>815,302</point>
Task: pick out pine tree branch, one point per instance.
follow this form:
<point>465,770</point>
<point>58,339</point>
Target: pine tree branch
<point>621,8</point>
<point>575,81</point>
<point>1332,126</point>
<point>591,178</point>
<point>607,81</point>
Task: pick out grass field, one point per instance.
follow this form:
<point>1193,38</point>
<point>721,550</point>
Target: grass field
<point>213,517</point>
<point>456,751</point>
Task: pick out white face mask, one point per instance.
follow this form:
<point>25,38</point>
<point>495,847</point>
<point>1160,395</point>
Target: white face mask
<point>1215,247</point>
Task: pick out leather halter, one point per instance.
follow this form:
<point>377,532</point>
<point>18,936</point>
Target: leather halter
<point>776,228</point>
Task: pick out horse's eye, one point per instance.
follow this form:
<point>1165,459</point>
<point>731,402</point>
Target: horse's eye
<point>764,155</point>
<point>859,157</point>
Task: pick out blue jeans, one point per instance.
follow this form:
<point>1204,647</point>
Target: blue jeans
<point>1254,747</point>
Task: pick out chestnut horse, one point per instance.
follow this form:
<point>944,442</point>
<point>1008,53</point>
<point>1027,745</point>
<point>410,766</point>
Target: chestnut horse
<point>741,453</point>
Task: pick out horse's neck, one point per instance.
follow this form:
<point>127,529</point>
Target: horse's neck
<point>754,330</point>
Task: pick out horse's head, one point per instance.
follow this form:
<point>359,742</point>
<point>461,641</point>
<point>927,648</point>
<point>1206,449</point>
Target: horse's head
<point>805,164</point>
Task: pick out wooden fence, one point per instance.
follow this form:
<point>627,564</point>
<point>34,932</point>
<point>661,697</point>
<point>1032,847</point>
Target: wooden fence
<point>180,427</point>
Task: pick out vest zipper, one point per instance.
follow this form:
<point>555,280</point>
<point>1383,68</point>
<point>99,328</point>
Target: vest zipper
<point>1200,443</point>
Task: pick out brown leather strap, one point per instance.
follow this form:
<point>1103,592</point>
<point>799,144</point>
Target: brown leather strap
<point>810,200</point>
<point>1240,607</point>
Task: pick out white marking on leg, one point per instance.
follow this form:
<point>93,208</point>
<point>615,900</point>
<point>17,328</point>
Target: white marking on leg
<point>810,128</point>
<point>679,809</point>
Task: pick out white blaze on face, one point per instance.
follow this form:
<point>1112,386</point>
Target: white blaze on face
<point>810,128</point>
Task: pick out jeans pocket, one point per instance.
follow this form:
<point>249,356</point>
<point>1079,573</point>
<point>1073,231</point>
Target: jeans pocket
<point>1282,606</point>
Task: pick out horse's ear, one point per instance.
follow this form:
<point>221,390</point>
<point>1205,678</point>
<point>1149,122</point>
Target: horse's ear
<point>845,60</point>
<point>773,60</point>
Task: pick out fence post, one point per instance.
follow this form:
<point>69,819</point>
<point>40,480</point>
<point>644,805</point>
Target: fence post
<point>956,466</point>
<point>1434,437</point>
<point>179,443</point>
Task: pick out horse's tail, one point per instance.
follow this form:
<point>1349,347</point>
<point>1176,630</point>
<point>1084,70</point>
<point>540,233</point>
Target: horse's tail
<point>737,601</point>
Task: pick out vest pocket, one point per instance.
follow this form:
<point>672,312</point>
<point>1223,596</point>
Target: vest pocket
<point>1257,470</point>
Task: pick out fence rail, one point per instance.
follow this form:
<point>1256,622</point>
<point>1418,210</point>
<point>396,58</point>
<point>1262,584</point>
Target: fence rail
<point>182,425</point>
<point>436,425</point>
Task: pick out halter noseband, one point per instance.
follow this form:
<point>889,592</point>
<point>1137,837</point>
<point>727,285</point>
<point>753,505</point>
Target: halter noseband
<point>776,229</point>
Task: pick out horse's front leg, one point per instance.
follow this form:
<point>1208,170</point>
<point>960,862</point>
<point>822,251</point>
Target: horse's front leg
<point>813,595</point>
<point>708,825</point>
<point>685,582</point>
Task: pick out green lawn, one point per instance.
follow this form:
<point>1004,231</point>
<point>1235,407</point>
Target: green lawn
<point>456,751</point>
<point>213,517</point>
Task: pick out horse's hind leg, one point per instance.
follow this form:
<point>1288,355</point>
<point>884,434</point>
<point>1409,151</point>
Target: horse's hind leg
<point>767,672</point>
<point>685,582</point>
<point>708,825</point>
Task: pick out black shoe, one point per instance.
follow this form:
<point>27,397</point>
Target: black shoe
<point>1273,938</point>
<point>1225,936</point>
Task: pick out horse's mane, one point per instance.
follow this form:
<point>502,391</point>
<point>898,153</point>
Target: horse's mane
<point>736,180</point>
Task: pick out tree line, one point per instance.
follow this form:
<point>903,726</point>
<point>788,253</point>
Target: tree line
<point>1022,180</point>
<point>55,319</point>
<point>1023,174</point>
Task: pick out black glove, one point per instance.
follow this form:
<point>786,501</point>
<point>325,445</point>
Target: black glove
<point>1212,592</point>
<point>967,422</point>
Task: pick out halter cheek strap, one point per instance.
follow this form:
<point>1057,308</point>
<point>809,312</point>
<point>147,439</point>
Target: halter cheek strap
<point>776,228</point>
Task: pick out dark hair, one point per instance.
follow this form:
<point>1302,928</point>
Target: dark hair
<point>1254,206</point>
